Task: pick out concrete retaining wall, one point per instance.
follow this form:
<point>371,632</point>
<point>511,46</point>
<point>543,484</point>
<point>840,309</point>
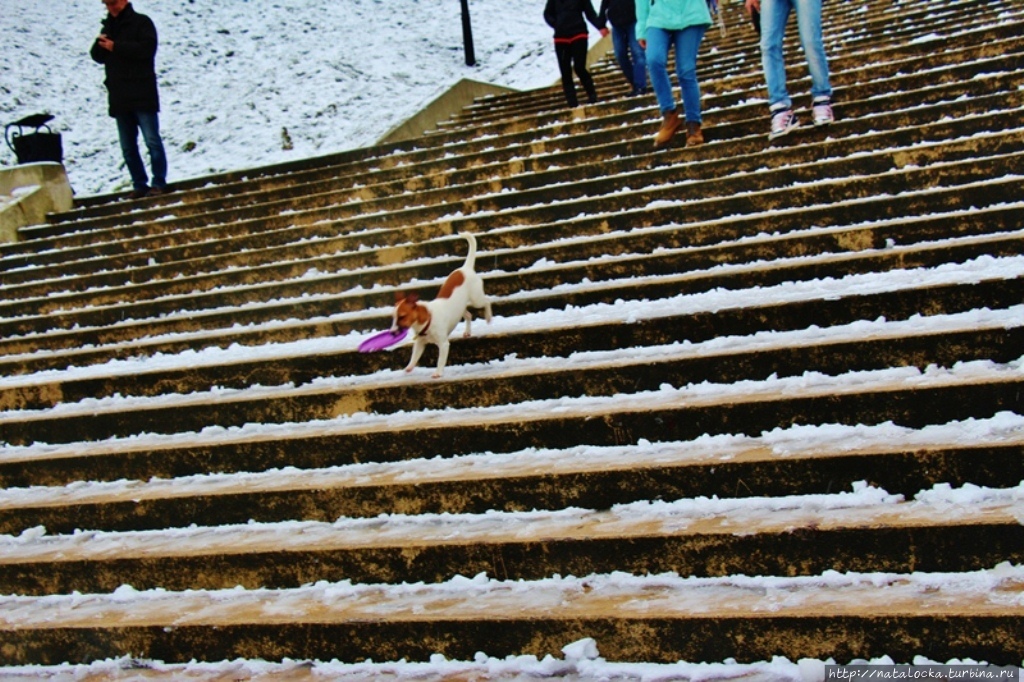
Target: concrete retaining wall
<point>28,192</point>
<point>451,102</point>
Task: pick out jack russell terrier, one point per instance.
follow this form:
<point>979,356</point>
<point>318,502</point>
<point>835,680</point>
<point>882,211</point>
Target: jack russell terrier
<point>433,321</point>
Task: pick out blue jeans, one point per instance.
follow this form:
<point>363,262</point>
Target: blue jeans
<point>630,56</point>
<point>686,42</point>
<point>774,15</point>
<point>128,127</point>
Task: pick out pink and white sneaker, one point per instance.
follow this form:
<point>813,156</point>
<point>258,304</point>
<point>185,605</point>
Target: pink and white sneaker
<point>823,112</point>
<point>783,121</point>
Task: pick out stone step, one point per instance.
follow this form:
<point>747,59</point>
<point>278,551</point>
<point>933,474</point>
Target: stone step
<point>738,402</point>
<point>206,210</point>
<point>976,390</point>
<point>1002,13</point>
<point>639,618</point>
<point>818,253</point>
<point>174,276</point>
<point>860,45</point>
<point>291,226</point>
<point>339,294</point>
<point>107,347</point>
<point>809,178</point>
<point>364,315</point>
<point>897,81</point>
<point>192,266</point>
<point>192,412</point>
<point>865,531</point>
<point>729,64</point>
<point>796,461</point>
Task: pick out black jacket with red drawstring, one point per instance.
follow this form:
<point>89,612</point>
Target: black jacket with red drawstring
<point>566,17</point>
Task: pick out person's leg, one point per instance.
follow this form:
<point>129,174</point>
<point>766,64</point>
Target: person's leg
<point>620,46</point>
<point>658,40</point>
<point>808,16</point>
<point>128,135</point>
<point>774,14</point>
<point>149,124</point>
<point>579,60</point>
<point>687,43</point>
<point>564,55</point>
<point>639,61</point>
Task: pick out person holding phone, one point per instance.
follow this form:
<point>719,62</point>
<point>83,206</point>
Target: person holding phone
<point>126,47</point>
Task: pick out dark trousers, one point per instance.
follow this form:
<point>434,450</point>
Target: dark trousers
<point>573,57</point>
<point>128,127</point>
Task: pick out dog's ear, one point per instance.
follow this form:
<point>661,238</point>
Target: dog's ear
<point>411,298</point>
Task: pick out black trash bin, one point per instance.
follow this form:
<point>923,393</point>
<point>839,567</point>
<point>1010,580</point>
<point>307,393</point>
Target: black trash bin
<point>41,144</point>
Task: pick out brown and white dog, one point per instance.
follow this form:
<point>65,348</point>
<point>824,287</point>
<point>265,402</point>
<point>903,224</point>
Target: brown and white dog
<point>433,321</point>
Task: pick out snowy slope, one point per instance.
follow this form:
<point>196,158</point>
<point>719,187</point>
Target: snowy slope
<point>234,75</point>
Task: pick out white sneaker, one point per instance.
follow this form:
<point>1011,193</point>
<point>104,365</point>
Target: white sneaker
<point>783,121</point>
<point>823,113</point>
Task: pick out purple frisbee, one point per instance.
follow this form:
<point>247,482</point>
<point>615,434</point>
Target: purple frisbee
<point>382,340</point>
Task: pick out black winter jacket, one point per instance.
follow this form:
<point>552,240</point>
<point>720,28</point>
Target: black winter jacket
<point>566,17</point>
<point>618,12</point>
<point>131,75</point>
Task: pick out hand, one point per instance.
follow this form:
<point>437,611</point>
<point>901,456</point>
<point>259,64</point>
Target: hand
<point>105,42</point>
<point>753,6</point>
<point>643,44</point>
<point>604,32</point>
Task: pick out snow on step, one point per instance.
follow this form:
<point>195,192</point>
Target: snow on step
<point>973,271</point>
<point>903,155</point>
<point>865,508</point>
<point>511,367</point>
<point>809,441</point>
<point>811,384</point>
<point>553,319</point>
<point>993,592</point>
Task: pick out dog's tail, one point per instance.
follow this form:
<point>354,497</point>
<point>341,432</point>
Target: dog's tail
<point>471,256</point>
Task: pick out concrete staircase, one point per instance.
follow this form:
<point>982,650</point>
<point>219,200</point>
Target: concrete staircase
<point>740,401</point>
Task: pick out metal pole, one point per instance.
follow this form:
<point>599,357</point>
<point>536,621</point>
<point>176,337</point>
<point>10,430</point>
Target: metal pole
<point>467,35</point>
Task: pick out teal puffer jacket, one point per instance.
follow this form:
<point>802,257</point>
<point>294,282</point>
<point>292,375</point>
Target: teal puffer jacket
<point>670,15</point>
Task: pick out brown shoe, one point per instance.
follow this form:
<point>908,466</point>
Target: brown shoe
<point>694,136</point>
<point>668,128</point>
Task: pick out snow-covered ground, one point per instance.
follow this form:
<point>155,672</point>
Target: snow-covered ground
<point>235,75</point>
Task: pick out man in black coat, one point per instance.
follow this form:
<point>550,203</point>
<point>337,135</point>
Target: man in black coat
<point>127,49</point>
<point>621,14</point>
